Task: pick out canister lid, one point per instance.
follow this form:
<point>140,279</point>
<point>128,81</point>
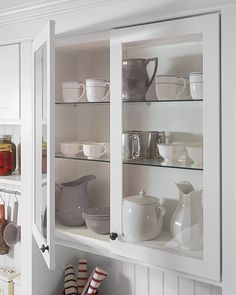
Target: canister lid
<point>5,137</point>
<point>142,199</point>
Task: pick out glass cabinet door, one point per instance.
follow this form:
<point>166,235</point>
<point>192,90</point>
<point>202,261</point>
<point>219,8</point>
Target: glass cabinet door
<point>165,139</point>
<point>44,197</point>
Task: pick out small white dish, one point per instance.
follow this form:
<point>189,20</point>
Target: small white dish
<point>94,150</point>
<point>195,153</point>
<point>70,149</point>
<point>171,152</point>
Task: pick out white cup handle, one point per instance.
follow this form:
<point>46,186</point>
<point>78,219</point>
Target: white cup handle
<point>183,88</point>
<point>108,92</point>
<point>83,92</point>
<point>105,150</point>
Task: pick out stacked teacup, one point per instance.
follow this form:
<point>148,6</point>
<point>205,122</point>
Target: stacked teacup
<point>97,90</point>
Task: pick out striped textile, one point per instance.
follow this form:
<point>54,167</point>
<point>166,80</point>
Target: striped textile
<point>82,275</point>
<point>98,277</point>
<point>70,284</point>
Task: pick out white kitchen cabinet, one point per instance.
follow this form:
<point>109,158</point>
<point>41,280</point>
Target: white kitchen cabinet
<point>182,46</point>
<point>10,99</point>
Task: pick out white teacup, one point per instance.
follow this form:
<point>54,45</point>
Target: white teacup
<point>196,85</point>
<point>170,87</point>
<point>72,91</point>
<point>70,149</point>
<point>94,150</point>
<point>97,90</point>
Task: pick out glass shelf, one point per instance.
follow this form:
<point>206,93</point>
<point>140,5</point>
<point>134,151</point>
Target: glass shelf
<point>125,101</point>
<point>105,158</point>
<point>83,103</point>
<point>163,100</point>
<point>160,163</point>
<point>166,243</point>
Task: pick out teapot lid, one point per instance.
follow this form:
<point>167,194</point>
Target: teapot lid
<point>142,199</point>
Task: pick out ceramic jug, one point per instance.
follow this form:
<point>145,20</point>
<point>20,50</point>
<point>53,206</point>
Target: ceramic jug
<point>187,221</point>
<point>73,199</point>
<point>135,80</point>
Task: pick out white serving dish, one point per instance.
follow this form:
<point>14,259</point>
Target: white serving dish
<point>195,153</point>
<point>142,217</point>
<point>171,152</point>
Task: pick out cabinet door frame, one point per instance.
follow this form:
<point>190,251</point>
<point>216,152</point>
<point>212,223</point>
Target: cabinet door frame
<point>46,36</point>
<point>207,26</point>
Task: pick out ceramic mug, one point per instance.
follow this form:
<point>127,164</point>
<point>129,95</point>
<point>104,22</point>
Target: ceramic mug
<point>196,85</point>
<point>169,87</point>
<point>72,91</point>
<point>94,150</point>
<point>12,231</point>
<point>97,90</point>
<point>70,149</point>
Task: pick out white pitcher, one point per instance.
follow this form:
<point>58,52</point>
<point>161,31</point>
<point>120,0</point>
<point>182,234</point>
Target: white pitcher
<point>187,221</point>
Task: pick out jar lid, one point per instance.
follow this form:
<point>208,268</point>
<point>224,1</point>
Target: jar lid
<point>142,199</point>
<point>5,136</point>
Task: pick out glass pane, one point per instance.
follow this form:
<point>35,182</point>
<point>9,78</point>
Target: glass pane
<point>162,146</point>
<point>41,140</point>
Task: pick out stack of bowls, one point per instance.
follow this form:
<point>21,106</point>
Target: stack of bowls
<point>98,219</point>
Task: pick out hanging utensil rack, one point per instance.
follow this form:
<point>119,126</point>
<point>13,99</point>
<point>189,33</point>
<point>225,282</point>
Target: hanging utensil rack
<point>2,190</point>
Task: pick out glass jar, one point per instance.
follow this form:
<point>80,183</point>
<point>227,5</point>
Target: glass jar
<point>6,159</point>
<point>44,157</point>
<point>8,140</point>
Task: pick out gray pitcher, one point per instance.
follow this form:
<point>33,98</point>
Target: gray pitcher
<point>135,81</point>
<point>73,199</point>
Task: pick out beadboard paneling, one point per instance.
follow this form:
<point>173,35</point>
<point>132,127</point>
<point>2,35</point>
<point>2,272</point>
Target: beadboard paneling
<point>129,279</point>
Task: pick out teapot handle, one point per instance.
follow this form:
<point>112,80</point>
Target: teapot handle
<point>155,59</point>
<point>161,211</point>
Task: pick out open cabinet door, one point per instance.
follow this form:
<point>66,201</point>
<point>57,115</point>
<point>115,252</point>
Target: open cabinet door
<point>44,174</point>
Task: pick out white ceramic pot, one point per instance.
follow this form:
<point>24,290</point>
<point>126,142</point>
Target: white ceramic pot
<point>142,217</point>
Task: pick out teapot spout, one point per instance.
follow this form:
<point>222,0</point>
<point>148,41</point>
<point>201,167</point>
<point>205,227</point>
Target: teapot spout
<point>185,187</point>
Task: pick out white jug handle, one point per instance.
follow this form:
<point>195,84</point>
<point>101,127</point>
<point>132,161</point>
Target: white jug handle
<point>183,88</point>
<point>83,92</point>
<point>108,91</point>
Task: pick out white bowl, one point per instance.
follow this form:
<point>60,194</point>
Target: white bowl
<point>70,149</point>
<point>171,152</point>
<point>195,153</point>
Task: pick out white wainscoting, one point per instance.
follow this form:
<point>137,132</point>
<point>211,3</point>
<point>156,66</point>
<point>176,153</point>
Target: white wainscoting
<point>123,278</point>
<point>129,279</point>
